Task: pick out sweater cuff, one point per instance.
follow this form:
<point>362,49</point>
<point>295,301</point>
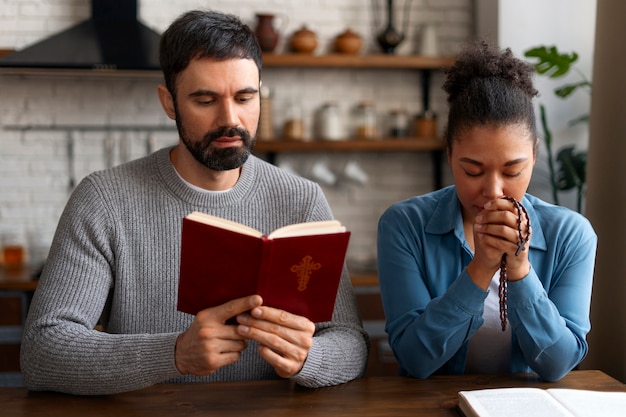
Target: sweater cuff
<point>159,360</point>
<point>309,374</point>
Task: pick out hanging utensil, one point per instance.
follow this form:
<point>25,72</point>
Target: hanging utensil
<point>150,143</point>
<point>109,142</point>
<point>70,160</point>
<point>124,148</point>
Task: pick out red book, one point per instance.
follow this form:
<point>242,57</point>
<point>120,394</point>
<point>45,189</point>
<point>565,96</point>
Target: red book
<point>296,268</point>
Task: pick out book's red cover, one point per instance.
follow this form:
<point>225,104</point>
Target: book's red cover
<point>297,274</point>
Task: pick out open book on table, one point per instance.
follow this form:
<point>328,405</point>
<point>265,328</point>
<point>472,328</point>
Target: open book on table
<point>537,402</point>
<point>296,268</point>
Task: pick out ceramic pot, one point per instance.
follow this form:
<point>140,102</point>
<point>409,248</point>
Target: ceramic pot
<point>304,41</point>
<point>348,43</point>
<point>265,32</point>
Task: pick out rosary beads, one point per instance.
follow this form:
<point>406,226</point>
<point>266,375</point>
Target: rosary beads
<point>521,243</point>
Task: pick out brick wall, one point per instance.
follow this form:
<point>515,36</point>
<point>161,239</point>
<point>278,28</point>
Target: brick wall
<point>36,176</point>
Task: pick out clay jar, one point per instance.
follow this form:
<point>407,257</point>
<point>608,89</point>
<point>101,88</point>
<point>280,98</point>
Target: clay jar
<point>265,32</point>
<point>303,41</point>
<point>348,43</point>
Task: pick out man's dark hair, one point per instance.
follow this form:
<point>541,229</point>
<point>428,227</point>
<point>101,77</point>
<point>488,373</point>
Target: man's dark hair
<point>205,34</point>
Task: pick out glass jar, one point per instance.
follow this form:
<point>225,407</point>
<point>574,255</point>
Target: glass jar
<point>330,123</point>
<point>294,125</point>
<point>426,125</point>
<point>265,130</point>
<point>365,120</point>
<point>398,123</point>
<point>13,249</point>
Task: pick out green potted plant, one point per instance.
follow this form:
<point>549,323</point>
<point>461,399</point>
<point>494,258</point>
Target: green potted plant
<point>570,169</point>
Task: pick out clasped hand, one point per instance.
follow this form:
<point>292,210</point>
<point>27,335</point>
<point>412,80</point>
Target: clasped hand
<point>496,233</point>
<point>284,339</point>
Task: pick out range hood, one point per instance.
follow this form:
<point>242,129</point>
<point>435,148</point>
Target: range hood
<point>112,39</point>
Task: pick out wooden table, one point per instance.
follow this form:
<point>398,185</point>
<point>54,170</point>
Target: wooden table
<point>373,396</point>
<point>20,279</point>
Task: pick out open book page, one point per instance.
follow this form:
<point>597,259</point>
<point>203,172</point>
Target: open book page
<point>586,403</point>
<point>299,229</point>
<point>223,223</point>
<point>310,228</point>
<point>511,402</point>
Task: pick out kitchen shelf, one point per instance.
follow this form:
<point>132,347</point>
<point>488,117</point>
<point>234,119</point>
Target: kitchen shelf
<point>361,145</point>
<point>435,146</point>
<point>270,60</point>
<point>424,64</point>
<point>357,61</point>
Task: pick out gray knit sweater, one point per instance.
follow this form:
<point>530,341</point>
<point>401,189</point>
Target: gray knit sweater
<point>115,258</point>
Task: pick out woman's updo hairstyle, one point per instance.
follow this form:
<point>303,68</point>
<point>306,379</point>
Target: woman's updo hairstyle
<point>487,86</point>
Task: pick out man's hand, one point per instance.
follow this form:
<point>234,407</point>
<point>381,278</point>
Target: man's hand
<point>210,343</point>
<point>284,338</point>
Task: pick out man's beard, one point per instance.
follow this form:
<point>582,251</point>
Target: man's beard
<point>217,159</point>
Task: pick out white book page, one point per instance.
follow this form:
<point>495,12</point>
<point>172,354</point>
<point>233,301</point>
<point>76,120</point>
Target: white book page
<point>310,228</point>
<point>298,229</point>
<point>587,403</point>
<point>223,223</point>
<point>511,402</point>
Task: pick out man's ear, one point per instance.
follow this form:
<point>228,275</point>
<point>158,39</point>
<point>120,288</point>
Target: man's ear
<point>167,101</point>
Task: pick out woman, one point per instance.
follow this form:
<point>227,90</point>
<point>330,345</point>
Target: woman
<point>442,255</point>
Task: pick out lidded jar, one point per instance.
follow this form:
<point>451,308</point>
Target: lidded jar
<point>365,120</point>
<point>265,131</point>
<point>330,125</point>
<point>304,41</point>
<point>426,125</point>
<point>348,42</point>
<point>398,123</point>
<point>294,125</point>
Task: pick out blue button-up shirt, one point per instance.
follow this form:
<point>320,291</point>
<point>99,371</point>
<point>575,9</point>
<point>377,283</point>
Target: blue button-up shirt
<point>432,306</point>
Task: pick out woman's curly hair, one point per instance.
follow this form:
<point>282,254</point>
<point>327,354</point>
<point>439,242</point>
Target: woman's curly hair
<point>488,86</point>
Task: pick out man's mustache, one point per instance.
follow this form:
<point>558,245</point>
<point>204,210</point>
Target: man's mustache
<point>227,132</point>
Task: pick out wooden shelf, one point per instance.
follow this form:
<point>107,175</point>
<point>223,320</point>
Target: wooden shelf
<point>338,61</point>
<point>387,144</point>
<point>433,145</point>
<point>382,61</point>
<point>357,61</point>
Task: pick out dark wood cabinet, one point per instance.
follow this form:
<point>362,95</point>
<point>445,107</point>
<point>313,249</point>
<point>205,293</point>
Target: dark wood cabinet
<point>381,361</point>
<point>16,289</point>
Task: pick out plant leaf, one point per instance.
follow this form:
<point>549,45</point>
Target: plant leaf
<point>567,89</point>
<point>572,168</point>
<point>580,119</point>
<point>551,62</point>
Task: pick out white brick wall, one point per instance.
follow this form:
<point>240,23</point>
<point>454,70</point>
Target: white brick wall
<point>34,166</point>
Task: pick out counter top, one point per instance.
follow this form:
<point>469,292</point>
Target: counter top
<point>21,279</point>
